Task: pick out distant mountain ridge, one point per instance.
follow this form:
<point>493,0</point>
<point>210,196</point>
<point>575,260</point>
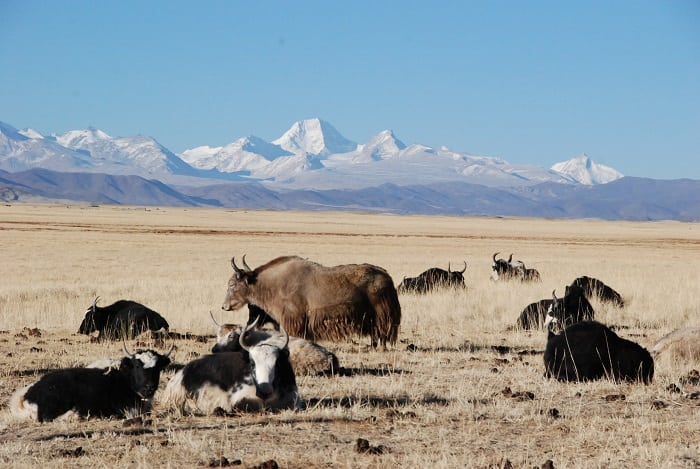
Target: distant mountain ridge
<point>313,167</point>
<point>312,154</point>
<point>623,199</point>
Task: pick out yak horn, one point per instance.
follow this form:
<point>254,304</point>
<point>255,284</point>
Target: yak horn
<point>212,318</point>
<point>554,295</point>
<point>465,268</point>
<point>284,331</point>
<point>94,303</point>
<point>510,258</point>
<point>235,267</point>
<point>495,254</point>
<point>285,335</point>
<point>126,352</point>
<point>241,340</point>
<point>245,264</point>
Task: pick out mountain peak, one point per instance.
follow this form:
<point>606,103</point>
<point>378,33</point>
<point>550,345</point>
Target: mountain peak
<point>82,138</point>
<point>381,146</point>
<point>585,171</point>
<point>11,132</point>
<point>314,137</point>
<point>31,133</point>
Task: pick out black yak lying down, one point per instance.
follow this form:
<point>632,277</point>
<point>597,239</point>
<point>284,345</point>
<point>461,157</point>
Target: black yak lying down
<point>589,350</point>
<point>124,319</point>
<point>594,288</point>
<point>125,388</point>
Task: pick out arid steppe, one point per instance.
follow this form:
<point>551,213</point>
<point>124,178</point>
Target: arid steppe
<point>459,389</point>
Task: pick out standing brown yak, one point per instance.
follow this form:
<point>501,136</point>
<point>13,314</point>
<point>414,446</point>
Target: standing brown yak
<point>316,302</point>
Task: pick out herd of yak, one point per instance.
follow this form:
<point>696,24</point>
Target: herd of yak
<point>294,302</point>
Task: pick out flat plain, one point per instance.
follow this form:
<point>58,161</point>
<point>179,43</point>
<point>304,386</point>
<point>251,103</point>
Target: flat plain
<point>459,389</point>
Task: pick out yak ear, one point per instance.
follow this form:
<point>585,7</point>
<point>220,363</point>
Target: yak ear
<point>126,364</point>
<point>250,278</point>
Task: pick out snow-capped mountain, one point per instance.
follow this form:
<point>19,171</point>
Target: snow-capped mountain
<point>122,155</point>
<point>26,149</point>
<point>312,154</point>
<point>314,137</point>
<point>31,133</point>
<point>381,146</point>
<point>585,171</point>
<point>313,167</point>
<point>245,154</point>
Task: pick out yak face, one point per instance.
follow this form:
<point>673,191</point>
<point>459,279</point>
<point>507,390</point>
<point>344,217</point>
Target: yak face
<point>263,361</point>
<point>143,369</point>
<point>94,320</point>
<point>502,269</point>
<point>266,351</point>
<point>227,337</point>
<point>238,286</point>
<point>573,308</point>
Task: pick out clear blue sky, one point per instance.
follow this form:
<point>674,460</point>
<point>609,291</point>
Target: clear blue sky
<point>528,81</point>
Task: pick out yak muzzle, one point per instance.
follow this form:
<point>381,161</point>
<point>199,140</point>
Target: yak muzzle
<point>263,390</point>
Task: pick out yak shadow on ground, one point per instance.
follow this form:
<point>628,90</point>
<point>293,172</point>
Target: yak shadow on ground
<point>217,422</point>
<point>374,401</point>
<point>365,371</point>
<point>470,347</point>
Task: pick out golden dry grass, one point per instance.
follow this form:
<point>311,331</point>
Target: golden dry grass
<point>441,405</point>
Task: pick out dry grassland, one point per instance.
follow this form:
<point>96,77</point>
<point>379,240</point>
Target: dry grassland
<point>435,400</point>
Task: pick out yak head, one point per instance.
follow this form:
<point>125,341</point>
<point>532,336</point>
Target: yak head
<point>455,278</point>
<point>95,319</point>
<point>265,349</point>
<point>564,309</point>
<point>502,267</point>
<point>143,370</point>
<point>227,337</point>
<point>239,286</point>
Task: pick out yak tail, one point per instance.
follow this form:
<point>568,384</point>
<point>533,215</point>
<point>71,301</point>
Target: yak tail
<point>388,316</point>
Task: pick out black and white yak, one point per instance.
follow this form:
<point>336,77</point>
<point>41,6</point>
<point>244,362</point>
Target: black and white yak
<point>260,376</point>
<point>124,390</point>
<point>572,308</point>
<point>589,350</point>
<point>124,319</point>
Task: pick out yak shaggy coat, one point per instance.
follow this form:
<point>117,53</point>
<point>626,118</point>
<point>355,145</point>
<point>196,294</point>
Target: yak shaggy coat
<point>320,303</point>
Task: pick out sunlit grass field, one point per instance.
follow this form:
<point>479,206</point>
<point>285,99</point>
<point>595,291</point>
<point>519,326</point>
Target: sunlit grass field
<point>438,398</point>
